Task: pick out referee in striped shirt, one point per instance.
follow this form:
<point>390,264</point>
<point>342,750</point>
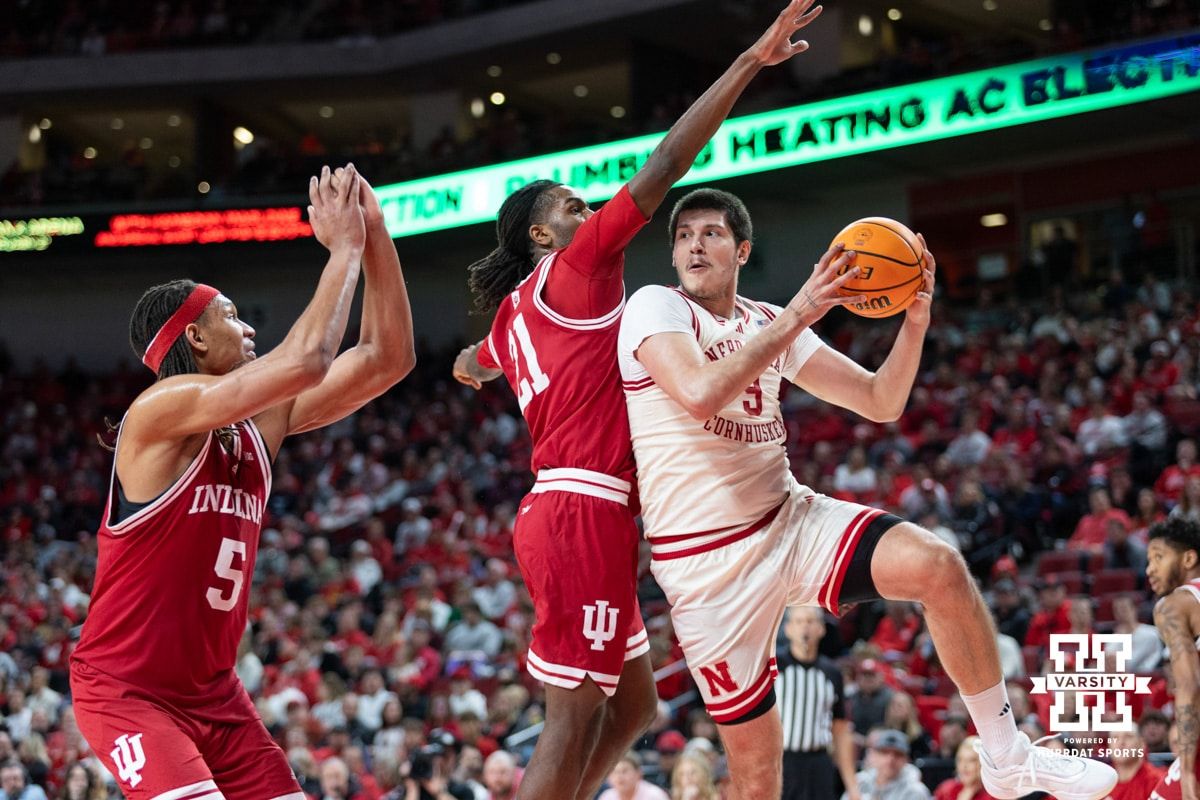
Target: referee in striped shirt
<point>813,708</point>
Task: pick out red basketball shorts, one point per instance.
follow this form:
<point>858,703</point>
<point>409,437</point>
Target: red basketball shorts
<point>157,753</point>
<point>577,546</point>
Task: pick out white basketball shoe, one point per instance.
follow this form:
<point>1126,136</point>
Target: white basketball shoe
<point>1041,769</point>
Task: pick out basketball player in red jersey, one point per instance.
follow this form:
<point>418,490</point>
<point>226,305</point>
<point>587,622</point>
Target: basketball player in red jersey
<point>152,679</point>
<point>554,338</point>
<point>1173,570</point>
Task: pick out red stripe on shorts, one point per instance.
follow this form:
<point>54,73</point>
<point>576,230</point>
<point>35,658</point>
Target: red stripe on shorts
<point>832,590</point>
<point>577,680</point>
<point>766,520</point>
<point>747,699</point>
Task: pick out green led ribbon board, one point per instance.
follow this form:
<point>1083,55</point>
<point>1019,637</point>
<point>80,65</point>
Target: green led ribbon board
<point>32,235</point>
<point>1017,94</point>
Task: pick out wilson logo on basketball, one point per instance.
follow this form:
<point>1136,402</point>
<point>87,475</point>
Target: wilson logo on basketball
<point>875,303</point>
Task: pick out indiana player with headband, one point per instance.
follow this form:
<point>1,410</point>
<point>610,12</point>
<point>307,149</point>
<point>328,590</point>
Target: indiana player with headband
<point>152,679</point>
<point>554,338</point>
<point>735,539</point>
<point>1173,570</point>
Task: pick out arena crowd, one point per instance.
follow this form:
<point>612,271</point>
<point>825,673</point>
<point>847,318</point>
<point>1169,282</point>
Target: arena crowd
<point>390,625</point>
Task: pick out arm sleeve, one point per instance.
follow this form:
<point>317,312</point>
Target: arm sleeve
<point>588,279</point>
<point>486,355</point>
<point>799,351</point>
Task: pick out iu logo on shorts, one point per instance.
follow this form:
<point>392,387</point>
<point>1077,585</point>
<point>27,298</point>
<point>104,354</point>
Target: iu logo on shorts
<point>599,623</point>
<point>129,757</point>
<point>719,679</point>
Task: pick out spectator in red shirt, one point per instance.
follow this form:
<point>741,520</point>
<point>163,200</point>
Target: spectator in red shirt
<point>418,664</point>
<point>1159,373</point>
<point>1053,616</point>
<point>896,631</point>
<point>470,730</point>
<point>1092,531</point>
<point>1170,483</point>
<point>1137,777</point>
<point>966,783</point>
<point>1016,437</point>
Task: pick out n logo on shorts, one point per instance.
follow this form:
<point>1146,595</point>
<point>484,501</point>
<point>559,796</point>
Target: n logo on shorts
<point>129,757</point>
<point>599,623</point>
<point>719,679</point>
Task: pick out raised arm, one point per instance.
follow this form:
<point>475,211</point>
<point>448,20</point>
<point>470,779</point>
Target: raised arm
<point>185,405</point>
<point>704,387</point>
<point>1171,615</point>
<point>879,396</point>
<point>674,155</point>
<point>384,353</point>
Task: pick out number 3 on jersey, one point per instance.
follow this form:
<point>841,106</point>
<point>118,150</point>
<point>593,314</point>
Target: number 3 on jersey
<point>226,571</point>
<point>530,378</point>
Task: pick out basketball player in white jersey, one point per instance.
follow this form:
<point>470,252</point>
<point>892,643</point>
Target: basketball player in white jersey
<point>735,539</point>
<point>1173,570</point>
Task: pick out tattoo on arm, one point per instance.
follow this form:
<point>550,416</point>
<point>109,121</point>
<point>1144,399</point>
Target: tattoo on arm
<point>1185,668</point>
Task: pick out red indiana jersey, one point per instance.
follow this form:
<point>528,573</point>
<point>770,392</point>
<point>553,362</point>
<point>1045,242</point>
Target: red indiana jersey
<point>170,599</point>
<point>562,368</point>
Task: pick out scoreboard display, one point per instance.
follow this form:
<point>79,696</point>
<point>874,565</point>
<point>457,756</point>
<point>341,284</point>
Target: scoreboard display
<point>76,234</point>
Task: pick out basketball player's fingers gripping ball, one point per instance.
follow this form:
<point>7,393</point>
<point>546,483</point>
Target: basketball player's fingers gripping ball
<point>891,266</point>
<point>821,291</point>
<point>919,309</point>
<point>930,267</point>
<point>835,269</point>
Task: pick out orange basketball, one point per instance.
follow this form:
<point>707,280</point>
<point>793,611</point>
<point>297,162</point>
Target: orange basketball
<point>890,262</point>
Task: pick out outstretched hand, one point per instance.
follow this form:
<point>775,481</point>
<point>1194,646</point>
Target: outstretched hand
<point>822,291</point>
<point>918,311</point>
<point>371,208</point>
<point>776,45</point>
<point>462,368</point>
<point>468,371</point>
<point>334,211</point>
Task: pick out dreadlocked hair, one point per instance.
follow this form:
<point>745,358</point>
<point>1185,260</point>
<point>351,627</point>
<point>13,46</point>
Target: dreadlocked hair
<point>150,314</point>
<point>498,273</point>
<point>152,311</point>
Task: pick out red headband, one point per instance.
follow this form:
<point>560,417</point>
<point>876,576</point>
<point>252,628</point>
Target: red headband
<point>186,314</point>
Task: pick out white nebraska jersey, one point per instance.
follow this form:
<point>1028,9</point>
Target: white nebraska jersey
<point>699,477</point>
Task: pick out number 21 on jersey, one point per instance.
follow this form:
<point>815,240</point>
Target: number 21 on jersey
<point>530,378</point>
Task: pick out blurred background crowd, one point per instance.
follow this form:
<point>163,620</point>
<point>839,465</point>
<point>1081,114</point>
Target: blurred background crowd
<point>1054,419</point>
<point>390,625</point>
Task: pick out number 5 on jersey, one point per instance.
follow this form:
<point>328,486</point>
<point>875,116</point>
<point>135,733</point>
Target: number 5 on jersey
<point>225,570</point>
<point>530,378</point>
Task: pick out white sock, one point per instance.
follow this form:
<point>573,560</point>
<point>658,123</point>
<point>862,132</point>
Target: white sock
<point>994,720</point>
